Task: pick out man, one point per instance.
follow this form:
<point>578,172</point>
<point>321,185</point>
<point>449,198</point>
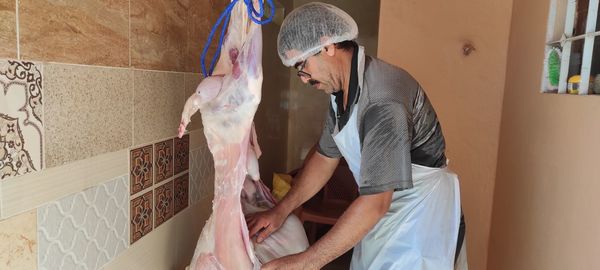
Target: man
<point>408,213</point>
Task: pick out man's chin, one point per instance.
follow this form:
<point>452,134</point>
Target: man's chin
<point>328,91</point>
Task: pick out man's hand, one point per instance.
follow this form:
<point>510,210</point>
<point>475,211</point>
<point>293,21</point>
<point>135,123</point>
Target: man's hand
<point>292,262</point>
<point>265,223</point>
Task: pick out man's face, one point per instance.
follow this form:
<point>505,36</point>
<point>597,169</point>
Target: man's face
<point>316,71</point>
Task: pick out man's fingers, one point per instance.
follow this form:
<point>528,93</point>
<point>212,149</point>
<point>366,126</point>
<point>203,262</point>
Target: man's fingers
<point>268,266</point>
<point>250,223</point>
<point>262,235</point>
<point>256,227</point>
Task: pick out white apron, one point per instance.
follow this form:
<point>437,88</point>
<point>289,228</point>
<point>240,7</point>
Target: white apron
<point>420,229</point>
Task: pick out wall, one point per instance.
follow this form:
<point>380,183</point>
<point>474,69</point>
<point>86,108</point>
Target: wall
<point>271,118</point>
<point>90,101</point>
<point>308,106</point>
<point>426,38</point>
<point>545,212</point>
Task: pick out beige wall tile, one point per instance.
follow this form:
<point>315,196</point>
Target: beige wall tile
<point>88,111</point>
<point>158,34</point>
<point>8,25</point>
<point>202,15</point>
<point>93,32</point>
<point>170,35</point>
<point>158,102</point>
<point>18,242</point>
<point>27,192</point>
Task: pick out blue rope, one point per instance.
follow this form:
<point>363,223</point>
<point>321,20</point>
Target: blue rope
<point>255,16</point>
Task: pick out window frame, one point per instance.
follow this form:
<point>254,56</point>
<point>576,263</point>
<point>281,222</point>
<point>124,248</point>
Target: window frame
<point>566,10</point>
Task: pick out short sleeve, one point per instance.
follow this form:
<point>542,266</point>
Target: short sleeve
<point>386,135</point>
<point>327,146</point>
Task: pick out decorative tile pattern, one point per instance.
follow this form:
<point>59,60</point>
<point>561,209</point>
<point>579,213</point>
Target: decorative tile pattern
<point>84,230</point>
<point>18,242</point>
<point>21,128</point>
<point>182,151</point>
<point>92,32</point>
<point>158,101</point>
<point>87,111</point>
<point>163,160</point>
<point>140,172</point>
<point>181,192</point>
<point>163,203</point>
<point>141,216</point>
<point>8,33</point>
<point>202,174</point>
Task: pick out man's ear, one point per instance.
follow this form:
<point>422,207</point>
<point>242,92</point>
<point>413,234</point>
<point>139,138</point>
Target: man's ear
<point>330,50</point>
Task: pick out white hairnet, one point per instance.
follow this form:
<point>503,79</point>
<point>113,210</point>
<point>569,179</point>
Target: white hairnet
<point>309,28</point>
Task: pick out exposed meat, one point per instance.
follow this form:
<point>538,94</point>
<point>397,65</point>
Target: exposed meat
<point>227,102</point>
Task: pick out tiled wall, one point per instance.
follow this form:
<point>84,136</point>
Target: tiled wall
<point>86,229</point>
<point>156,194</point>
<point>90,97</point>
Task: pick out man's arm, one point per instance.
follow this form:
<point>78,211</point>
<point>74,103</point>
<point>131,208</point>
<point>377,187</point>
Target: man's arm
<point>314,175</point>
<point>316,172</point>
<point>351,227</point>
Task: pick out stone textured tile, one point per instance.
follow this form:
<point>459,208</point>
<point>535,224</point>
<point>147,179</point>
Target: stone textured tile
<point>18,242</point>
<point>21,117</point>
<point>181,193</point>
<point>182,153</point>
<point>88,111</point>
<point>163,160</point>
<point>201,17</point>
<point>158,102</point>
<point>170,35</point>
<point>140,169</point>
<point>84,230</point>
<point>141,216</point>
<point>202,174</point>
<point>8,25</point>
<point>163,203</point>
<point>191,82</point>
<point>93,32</point>
<point>158,34</point>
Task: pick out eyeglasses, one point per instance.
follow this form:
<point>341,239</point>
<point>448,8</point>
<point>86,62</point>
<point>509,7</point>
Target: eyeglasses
<point>300,66</point>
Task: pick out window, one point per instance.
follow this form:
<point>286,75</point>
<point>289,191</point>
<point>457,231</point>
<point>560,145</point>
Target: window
<point>572,59</point>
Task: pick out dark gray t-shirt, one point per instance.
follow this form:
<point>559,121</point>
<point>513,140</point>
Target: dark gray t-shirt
<point>397,126</point>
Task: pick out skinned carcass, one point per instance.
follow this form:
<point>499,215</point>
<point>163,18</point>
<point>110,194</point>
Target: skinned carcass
<point>228,101</point>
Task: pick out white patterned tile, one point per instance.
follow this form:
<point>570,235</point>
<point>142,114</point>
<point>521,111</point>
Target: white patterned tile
<point>202,174</point>
<point>21,129</point>
<point>84,230</point>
